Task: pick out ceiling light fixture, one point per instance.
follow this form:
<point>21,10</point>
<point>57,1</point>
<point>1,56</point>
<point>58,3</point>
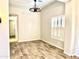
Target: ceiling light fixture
<point>35,9</point>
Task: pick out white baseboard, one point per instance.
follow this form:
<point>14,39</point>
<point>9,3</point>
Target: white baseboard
<point>53,44</point>
<point>76,55</point>
<point>70,54</point>
<point>67,53</point>
<point>28,40</point>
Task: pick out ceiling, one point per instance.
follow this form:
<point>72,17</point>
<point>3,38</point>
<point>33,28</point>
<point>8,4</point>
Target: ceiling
<point>30,3</point>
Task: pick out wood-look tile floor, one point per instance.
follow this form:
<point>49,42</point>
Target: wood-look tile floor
<point>36,50</point>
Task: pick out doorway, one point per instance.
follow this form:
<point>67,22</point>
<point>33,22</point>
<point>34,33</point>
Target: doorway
<point>13,33</point>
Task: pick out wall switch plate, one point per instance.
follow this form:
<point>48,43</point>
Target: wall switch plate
<point>0,20</point>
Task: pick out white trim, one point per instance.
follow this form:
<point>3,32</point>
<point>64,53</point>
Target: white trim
<point>77,55</point>
<point>74,54</point>
<point>67,53</point>
<point>27,40</point>
<point>65,1</point>
<point>53,44</point>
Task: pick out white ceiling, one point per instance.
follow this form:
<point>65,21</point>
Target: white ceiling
<point>30,3</point>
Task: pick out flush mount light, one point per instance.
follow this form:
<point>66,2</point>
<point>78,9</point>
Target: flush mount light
<point>35,9</point>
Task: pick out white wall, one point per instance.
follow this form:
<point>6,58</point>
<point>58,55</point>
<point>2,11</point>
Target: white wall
<point>71,38</point>
<point>77,29</point>
<point>4,36</point>
<point>70,13</point>
<point>46,16</point>
<point>28,23</point>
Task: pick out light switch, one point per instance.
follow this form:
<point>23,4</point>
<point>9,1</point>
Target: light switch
<point>0,20</point>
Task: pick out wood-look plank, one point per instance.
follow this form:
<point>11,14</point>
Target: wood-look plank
<point>36,50</point>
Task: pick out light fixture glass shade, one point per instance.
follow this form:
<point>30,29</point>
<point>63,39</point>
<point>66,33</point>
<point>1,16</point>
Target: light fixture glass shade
<point>35,9</point>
